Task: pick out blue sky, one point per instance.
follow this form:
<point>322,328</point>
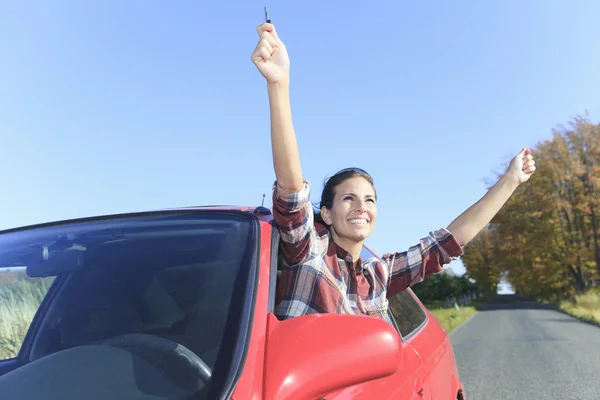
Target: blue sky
<point>124,106</point>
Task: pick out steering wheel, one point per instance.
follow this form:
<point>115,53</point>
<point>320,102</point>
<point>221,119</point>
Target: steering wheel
<point>165,346</point>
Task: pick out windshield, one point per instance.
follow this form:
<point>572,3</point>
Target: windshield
<point>169,275</point>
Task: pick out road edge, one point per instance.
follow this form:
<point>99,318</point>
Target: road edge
<point>556,307</point>
<point>463,324</point>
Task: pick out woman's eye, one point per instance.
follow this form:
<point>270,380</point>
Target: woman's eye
<point>348,198</point>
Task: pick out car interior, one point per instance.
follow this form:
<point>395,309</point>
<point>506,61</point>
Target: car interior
<point>145,319</point>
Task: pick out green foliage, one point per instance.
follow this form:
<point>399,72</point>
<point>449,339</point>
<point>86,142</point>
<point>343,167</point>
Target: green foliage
<point>441,286</point>
<point>546,238</point>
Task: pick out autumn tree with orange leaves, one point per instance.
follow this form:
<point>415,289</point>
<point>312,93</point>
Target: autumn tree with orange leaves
<point>546,237</point>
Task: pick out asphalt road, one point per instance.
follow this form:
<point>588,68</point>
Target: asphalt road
<point>515,349</point>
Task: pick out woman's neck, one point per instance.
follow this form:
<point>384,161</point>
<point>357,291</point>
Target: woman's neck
<point>352,247</point>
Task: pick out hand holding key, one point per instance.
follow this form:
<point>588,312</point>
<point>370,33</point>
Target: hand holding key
<point>270,55</point>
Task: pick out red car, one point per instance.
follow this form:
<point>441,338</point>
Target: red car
<point>178,304</point>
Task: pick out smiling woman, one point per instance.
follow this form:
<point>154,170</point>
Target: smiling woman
<point>355,211</point>
<point>322,268</point>
<point>323,271</point>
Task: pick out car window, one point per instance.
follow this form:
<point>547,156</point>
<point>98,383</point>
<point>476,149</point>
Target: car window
<point>173,276</point>
<point>20,298</point>
<point>406,312</point>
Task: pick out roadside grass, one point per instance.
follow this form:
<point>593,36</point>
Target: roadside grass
<point>451,318</point>
<point>19,302</point>
<point>585,307</point>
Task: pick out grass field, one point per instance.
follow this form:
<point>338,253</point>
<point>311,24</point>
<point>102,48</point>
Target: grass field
<point>19,300</point>
<point>450,318</point>
<point>586,307</point>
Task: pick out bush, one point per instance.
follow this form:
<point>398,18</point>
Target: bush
<point>442,286</point>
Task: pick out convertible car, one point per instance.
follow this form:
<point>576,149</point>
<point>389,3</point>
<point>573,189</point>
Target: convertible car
<point>178,304</point>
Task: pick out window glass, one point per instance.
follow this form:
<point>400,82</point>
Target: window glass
<point>171,276</point>
<point>20,298</point>
<point>408,314</point>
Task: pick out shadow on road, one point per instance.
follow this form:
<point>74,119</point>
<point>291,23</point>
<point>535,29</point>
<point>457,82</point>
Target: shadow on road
<point>512,302</point>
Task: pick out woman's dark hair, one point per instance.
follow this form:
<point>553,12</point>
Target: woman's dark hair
<point>334,181</point>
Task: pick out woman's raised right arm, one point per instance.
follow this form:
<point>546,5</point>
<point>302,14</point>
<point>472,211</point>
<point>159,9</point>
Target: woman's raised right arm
<point>292,209</point>
<point>271,59</point>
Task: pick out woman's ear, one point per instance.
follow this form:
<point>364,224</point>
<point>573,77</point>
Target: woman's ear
<point>325,215</point>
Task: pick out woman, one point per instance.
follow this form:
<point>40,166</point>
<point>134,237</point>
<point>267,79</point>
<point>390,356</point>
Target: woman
<point>323,271</point>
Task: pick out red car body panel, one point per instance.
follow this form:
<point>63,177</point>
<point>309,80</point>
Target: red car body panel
<point>276,368</point>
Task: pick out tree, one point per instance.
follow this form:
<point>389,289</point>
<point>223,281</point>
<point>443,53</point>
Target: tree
<point>546,237</point>
<point>481,262</point>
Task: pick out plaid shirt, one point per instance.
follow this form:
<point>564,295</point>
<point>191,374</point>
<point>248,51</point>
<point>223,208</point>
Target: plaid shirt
<point>318,275</point>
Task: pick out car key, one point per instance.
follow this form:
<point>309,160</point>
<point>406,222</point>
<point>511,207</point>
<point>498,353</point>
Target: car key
<point>267,20</point>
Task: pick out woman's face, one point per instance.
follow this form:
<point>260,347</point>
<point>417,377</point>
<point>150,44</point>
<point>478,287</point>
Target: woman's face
<point>354,210</point>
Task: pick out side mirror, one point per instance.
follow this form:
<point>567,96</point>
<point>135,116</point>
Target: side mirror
<point>311,355</point>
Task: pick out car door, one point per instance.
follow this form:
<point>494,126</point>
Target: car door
<point>407,383</point>
<point>437,375</point>
<point>412,322</point>
<point>431,342</point>
<point>409,319</point>
<point>424,335</point>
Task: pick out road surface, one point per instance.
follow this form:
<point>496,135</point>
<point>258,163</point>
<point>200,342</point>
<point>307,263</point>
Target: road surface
<point>516,349</point>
